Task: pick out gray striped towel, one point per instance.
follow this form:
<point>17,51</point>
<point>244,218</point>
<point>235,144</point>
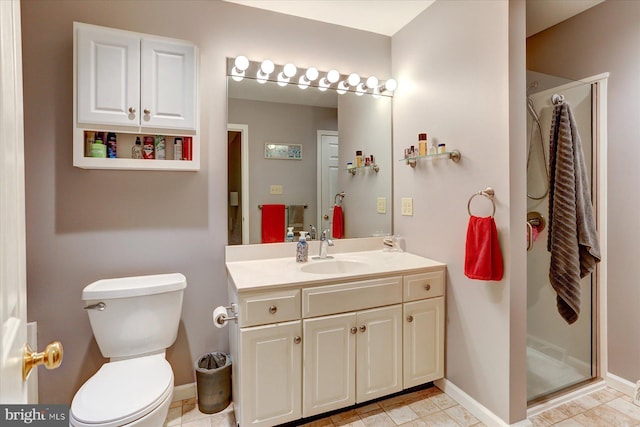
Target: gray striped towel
<point>573,239</point>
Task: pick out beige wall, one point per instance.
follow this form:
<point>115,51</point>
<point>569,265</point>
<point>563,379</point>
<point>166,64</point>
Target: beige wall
<point>83,225</point>
<point>453,63</point>
<point>605,39</point>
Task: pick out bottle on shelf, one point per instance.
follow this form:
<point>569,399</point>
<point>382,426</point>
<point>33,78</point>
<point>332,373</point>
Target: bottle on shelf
<point>136,150</point>
<point>160,147</point>
<point>177,149</point>
<point>89,139</point>
<point>289,237</point>
<point>422,144</point>
<point>98,149</point>
<point>148,148</point>
<point>432,148</point>
<point>358,158</point>
<point>112,151</point>
<point>187,148</point>
<point>442,148</point>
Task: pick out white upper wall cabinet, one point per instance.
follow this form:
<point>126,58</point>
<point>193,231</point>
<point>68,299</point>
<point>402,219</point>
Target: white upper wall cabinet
<point>135,80</point>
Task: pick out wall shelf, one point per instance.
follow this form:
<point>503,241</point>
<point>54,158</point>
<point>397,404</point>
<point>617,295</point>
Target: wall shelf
<point>453,155</point>
<point>354,170</point>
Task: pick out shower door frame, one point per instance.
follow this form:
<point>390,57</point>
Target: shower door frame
<point>599,276</point>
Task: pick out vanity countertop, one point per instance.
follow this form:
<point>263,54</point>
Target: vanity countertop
<point>271,273</point>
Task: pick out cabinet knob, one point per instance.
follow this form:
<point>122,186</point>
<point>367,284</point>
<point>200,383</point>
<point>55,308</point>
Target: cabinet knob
<point>354,330</point>
<point>132,110</point>
<point>363,328</point>
<point>273,309</point>
<point>297,340</point>
<point>409,318</point>
<point>427,287</point>
<point>146,111</point>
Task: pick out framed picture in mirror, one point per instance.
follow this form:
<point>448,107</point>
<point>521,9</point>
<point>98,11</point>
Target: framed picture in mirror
<point>282,151</point>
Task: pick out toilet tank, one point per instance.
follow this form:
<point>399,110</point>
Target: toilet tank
<point>140,314</point>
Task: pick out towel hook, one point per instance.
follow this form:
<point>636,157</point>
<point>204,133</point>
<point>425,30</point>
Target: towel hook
<point>488,193</point>
<point>337,200</point>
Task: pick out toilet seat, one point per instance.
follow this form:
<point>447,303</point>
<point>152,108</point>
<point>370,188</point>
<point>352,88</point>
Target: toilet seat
<point>122,392</point>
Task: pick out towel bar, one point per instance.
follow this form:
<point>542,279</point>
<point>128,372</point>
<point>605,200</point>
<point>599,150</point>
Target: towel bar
<point>488,193</point>
<point>286,207</point>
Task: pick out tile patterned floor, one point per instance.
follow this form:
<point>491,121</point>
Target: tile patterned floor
<point>432,407</point>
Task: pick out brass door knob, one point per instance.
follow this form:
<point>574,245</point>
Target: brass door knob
<point>363,328</point>
<point>354,330</point>
<point>297,340</point>
<point>409,318</point>
<point>51,358</point>
<point>273,309</point>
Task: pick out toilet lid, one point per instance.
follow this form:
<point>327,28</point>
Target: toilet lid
<point>123,391</point>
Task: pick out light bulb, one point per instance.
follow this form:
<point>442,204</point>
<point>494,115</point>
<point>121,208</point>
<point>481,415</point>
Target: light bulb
<point>333,76</point>
<point>353,79</point>
<point>267,66</point>
<point>376,93</point>
<point>361,89</point>
<point>311,74</point>
<point>390,85</point>
<point>342,88</point>
<point>283,80</point>
<point>323,85</point>
<point>241,63</point>
<point>372,82</point>
<point>237,75</point>
<point>289,70</point>
<point>303,83</point>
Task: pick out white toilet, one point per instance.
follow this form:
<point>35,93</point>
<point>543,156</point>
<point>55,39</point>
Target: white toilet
<point>134,319</point>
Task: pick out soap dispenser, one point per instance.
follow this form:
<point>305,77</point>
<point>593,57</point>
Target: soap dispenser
<point>289,237</point>
<point>302,249</point>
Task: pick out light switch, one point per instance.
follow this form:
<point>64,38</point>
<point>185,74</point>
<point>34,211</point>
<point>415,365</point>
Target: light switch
<point>276,189</point>
<point>407,206</point>
<point>382,205</point>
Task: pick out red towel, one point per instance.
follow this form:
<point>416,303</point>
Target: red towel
<point>483,259</point>
<point>338,223</point>
<point>272,223</point>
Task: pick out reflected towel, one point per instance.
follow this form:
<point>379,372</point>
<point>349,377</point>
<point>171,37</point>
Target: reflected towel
<point>483,259</point>
<point>272,223</point>
<point>338,223</point>
<point>296,217</point>
<point>573,239</point>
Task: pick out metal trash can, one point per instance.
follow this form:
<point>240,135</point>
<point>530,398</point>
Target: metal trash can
<point>213,382</point>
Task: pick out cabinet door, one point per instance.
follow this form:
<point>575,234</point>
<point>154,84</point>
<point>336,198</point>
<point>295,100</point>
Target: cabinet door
<point>108,77</point>
<point>379,356</point>
<point>168,79</point>
<point>271,377</point>
<point>423,341</point>
<point>329,363</point>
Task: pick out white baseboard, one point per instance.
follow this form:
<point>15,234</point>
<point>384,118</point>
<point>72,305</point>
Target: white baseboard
<point>618,383</point>
<point>183,392</point>
<point>476,408</point>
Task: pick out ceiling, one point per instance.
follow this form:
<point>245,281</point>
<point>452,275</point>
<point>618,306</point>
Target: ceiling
<point>388,16</point>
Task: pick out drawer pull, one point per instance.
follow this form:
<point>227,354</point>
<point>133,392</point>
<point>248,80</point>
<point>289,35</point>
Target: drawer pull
<point>409,318</point>
<point>273,309</point>
<point>427,287</point>
<point>354,330</point>
<point>146,111</point>
<point>297,340</point>
<point>132,110</point>
<point>363,328</point>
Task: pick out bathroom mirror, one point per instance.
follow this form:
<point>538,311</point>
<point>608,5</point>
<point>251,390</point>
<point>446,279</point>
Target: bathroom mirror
<point>329,128</point>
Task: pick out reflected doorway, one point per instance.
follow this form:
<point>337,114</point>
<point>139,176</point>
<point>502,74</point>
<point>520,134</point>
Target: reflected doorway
<point>237,184</point>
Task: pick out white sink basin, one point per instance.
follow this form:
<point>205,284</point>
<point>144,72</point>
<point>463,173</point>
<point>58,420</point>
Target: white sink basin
<point>334,266</point>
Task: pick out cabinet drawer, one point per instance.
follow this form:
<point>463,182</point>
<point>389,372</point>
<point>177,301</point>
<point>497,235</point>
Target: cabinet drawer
<point>351,296</point>
<point>424,285</point>
<point>269,307</point>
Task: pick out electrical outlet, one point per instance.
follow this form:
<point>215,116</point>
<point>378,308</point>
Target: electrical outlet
<point>407,206</point>
<point>382,205</point>
<point>276,189</point>
<point>636,394</point>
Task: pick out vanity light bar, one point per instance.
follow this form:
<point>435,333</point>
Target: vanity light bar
<point>241,67</point>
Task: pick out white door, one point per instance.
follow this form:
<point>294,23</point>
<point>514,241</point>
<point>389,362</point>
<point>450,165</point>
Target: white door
<point>327,177</point>
<point>379,355</point>
<point>168,78</point>
<point>329,363</point>
<point>423,338</point>
<point>108,76</point>
<point>272,377</point>
<point>13,295</point>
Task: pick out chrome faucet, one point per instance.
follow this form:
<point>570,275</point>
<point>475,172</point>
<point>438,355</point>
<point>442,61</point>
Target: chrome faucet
<point>324,243</point>
<point>312,232</point>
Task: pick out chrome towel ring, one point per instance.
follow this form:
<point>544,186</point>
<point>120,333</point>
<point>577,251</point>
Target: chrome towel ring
<point>488,193</point>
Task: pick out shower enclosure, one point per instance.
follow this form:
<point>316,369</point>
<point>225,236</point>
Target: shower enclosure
<point>559,355</point>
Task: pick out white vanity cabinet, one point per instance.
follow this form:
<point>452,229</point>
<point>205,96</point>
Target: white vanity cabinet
<point>305,348</point>
<point>129,79</point>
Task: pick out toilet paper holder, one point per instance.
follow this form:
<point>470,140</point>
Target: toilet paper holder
<point>225,319</point>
